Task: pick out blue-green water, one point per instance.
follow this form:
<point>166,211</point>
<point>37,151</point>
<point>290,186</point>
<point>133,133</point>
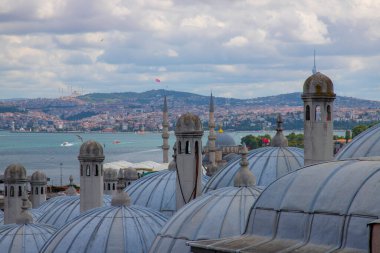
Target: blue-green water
<point>43,151</point>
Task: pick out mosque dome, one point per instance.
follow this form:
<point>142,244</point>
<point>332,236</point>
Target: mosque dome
<point>38,177</point>
<point>157,191</point>
<point>110,174</point>
<point>14,173</point>
<point>321,208</point>
<point>108,229</point>
<point>91,149</point>
<point>223,140</point>
<point>318,84</point>
<point>267,164</point>
<point>58,211</point>
<point>24,238</point>
<point>365,144</point>
<point>188,122</point>
<point>217,214</point>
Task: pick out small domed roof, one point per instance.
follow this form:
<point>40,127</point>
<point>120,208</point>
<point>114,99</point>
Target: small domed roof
<point>217,214</point>
<point>365,144</point>
<point>14,173</point>
<point>58,211</point>
<point>38,177</point>
<point>267,164</point>
<point>130,173</point>
<point>110,174</point>
<point>318,84</point>
<point>108,229</point>
<point>157,191</point>
<point>24,238</point>
<point>91,149</point>
<point>279,140</point>
<point>188,122</point>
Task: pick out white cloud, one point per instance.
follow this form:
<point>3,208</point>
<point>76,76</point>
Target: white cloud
<point>172,53</point>
<point>238,41</point>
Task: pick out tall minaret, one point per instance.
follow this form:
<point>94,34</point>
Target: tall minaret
<point>38,183</point>
<point>165,132</point>
<point>211,168</point>
<point>91,159</point>
<point>189,134</point>
<point>318,97</point>
<point>15,181</point>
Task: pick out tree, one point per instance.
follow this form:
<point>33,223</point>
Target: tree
<point>348,135</point>
<point>253,142</point>
<point>358,129</point>
<point>295,140</point>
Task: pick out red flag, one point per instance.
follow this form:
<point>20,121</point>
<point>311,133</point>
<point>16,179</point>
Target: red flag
<point>157,80</point>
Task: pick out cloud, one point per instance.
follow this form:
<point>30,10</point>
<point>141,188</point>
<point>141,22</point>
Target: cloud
<point>241,48</point>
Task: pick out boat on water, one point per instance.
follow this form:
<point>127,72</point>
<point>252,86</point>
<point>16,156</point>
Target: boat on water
<point>66,144</point>
<point>116,142</point>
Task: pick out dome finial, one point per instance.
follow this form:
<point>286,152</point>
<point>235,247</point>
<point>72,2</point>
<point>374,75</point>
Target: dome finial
<point>25,216</point>
<point>244,177</point>
<point>314,67</point>
<point>120,198</point>
<point>71,191</point>
<point>279,140</point>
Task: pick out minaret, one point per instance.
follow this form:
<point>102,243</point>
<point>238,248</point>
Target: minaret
<point>244,177</point>
<point>318,97</point>
<point>211,168</point>
<point>279,140</point>
<point>165,132</point>
<point>38,183</point>
<point>91,159</point>
<point>15,181</point>
<point>189,134</point>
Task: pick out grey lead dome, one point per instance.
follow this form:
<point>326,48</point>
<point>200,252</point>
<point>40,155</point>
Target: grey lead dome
<point>108,229</point>
<point>91,149</point>
<point>15,172</point>
<point>366,144</point>
<point>38,177</point>
<point>318,84</point>
<point>188,122</point>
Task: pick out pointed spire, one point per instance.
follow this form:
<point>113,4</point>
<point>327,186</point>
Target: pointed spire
<point>25,216</point>
<point>120,198</point>
<point>211,103</point>
<point>279,140</point>
<point>244,177</point>
<point>165,107</point>
<point>314,67</point>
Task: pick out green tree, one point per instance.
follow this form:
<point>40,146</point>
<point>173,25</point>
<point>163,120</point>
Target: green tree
<point>358,129</point>
<point>347,135</point>
<point>253,142</point>
<point>295,140</point>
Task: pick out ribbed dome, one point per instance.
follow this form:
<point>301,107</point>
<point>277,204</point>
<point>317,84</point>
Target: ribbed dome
<point>188,122</point>
<point>38,177</point>
<point>35,213</point>
<point>108,229</point>
<point>157,191</point>
<point>365,144</point>
<point>318,203</point>
<point>91,149</point>
<point>60,210</point>
<point>318,84</point>
<point>25,238</point>
<point>15,173</point>
<point>267,164</point>
<point>217,214</point>
<point>110,174</point>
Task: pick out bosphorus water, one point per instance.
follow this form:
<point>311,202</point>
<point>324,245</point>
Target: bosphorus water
<point>44,151</point>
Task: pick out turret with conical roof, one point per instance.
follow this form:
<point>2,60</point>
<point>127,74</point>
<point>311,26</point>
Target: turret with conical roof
<point>279,140</point>
<point>165,132</point>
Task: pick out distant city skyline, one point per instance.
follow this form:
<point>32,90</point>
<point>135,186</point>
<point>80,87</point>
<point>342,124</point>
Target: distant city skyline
<point>237,49</point>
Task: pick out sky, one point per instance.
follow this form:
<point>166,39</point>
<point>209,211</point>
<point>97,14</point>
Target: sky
<point>234,48</point>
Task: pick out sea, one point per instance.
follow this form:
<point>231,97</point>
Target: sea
<point>46,152</point>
